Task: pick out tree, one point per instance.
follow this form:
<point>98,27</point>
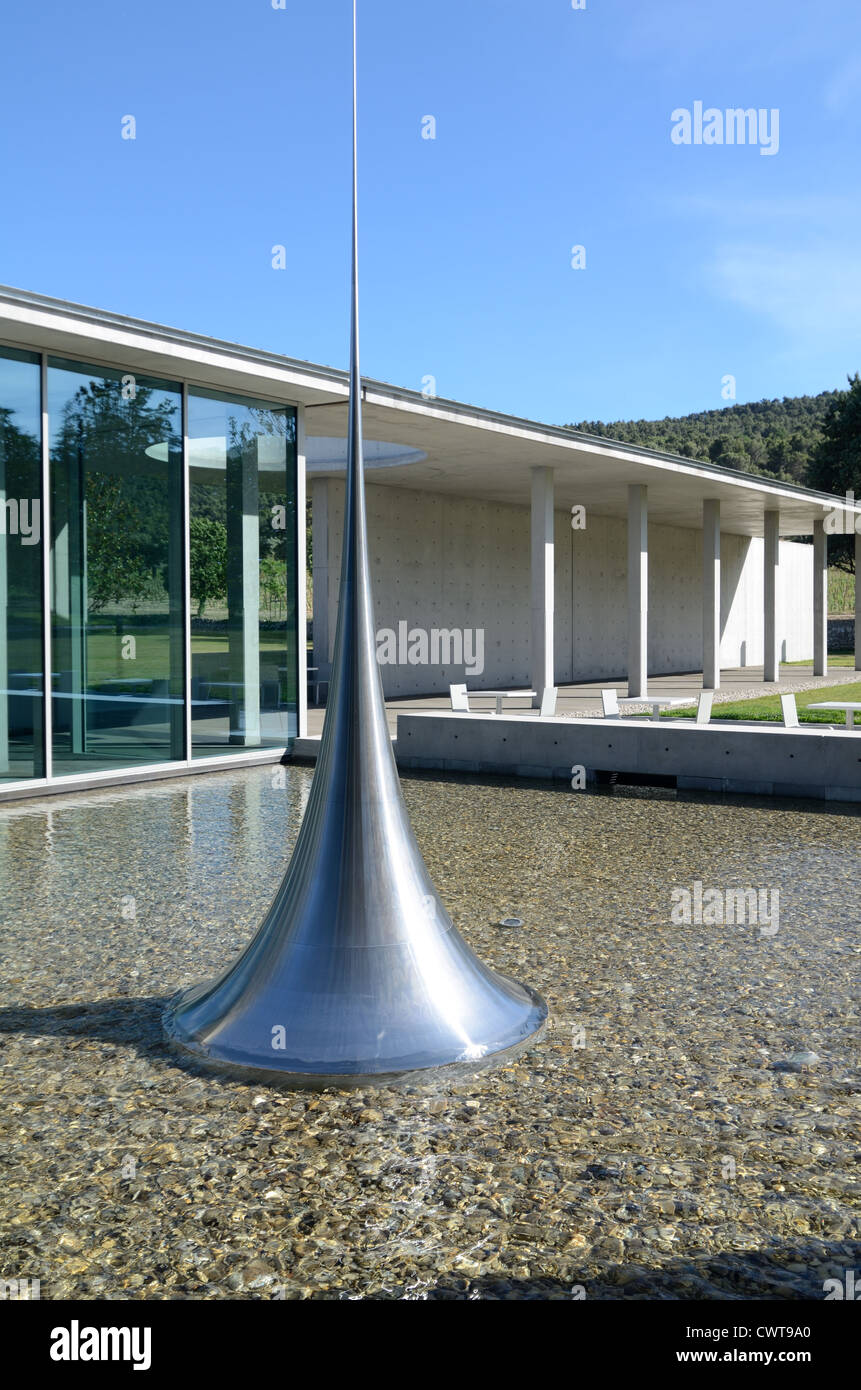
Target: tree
<point>836,463</point>
<point>775,438</point>
<point>208,546</point>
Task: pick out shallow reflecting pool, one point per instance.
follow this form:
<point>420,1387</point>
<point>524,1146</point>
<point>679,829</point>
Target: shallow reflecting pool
<point>688,1128</point>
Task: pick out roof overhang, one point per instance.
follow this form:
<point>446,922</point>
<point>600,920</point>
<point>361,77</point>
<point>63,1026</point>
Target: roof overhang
<point>447,447</point>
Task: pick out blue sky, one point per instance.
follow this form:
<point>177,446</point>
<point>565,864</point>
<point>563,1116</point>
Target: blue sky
<point>553,130</point>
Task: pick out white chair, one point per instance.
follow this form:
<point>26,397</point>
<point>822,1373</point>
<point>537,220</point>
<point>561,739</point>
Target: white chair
<point>459,698</point>
<point>790,711</point>
<point>548,702</point>
<point>704,706</point>
<point>610,704</point>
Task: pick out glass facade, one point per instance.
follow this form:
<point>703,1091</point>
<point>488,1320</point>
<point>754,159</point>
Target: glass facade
<point>242,467</point>
<point>117,550</point>
<point>172,601</point>
<point>21,549</point>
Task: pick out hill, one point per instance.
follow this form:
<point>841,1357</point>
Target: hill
<point>775,438</point>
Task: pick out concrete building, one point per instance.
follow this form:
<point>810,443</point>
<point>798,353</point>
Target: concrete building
<point>152,494</point>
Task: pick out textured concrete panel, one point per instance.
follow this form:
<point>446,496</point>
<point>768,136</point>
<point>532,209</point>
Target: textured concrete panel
<point>446,562</point>
<point>768,761</point>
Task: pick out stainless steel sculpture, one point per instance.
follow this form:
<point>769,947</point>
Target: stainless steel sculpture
<point>357,975</point>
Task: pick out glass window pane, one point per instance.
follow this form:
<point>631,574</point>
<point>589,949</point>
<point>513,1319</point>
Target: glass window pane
<point>21,656</point>
<point>117,568</point>
<point>242,457</point>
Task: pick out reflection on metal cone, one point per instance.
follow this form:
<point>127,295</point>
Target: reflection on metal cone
<point>357,975</point>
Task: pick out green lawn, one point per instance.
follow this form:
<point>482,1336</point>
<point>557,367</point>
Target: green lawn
<point>838,660</point>
<point>767,707</point>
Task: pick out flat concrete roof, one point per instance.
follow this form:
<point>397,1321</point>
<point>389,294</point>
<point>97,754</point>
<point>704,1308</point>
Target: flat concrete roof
<point>448,447</point>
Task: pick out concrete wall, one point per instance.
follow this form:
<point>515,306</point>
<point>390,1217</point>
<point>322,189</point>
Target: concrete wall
<point>446,562</point>
<point>741,601</point>
<point>719,757</point>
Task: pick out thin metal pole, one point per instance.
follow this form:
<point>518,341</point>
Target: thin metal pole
<point>357,975</point>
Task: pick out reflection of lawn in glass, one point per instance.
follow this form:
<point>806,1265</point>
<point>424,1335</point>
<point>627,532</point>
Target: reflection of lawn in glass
<point>152,656</point>
<point>273,653</point>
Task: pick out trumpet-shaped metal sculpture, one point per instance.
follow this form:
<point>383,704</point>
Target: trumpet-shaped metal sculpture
<point>357,975</point>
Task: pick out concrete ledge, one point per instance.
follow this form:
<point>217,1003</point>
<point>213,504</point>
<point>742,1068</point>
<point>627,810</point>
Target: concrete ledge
<point>306,748</point>
<point>135,776</point>
<point>770,761</point>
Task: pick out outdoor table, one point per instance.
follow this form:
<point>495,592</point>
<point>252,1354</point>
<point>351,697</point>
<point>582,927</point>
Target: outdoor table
<point>850,706</point>
<point>311,678</point>
<point>657,703</point>
<point>500,695</point>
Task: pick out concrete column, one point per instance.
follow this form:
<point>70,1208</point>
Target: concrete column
<point>711,594</point>
<point>243,594</point>
<point>320,531</point>
<point>820,599</point>
<point>857,600</point>
<point>638,589</point>
<point>543,568</point>
<point>771,650</point>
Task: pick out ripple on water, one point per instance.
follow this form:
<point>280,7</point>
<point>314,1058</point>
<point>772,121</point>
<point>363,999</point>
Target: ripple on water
<point>669,1137</point>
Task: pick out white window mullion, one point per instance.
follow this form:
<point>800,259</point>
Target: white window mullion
<point>47,606</point>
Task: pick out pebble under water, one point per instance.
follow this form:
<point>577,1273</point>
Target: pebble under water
<point>687,1128</point>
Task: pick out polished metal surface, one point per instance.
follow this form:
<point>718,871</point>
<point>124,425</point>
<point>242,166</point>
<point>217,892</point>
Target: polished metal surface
<point>357,974</point>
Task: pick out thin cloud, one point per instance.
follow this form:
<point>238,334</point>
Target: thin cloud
<point>844,89</point>
<point>812,293</point>
<point>813,209</point>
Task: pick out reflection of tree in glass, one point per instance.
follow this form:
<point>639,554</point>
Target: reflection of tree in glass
<point>127,491</point>
<point>208,544</point>
<point>115,568</point>
<point>273,586</point>
<point>20,455</point>
<point>20,477</point>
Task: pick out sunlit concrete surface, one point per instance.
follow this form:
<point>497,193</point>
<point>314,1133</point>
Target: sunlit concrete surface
<point>584,699</point>
<point>749,758</point>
